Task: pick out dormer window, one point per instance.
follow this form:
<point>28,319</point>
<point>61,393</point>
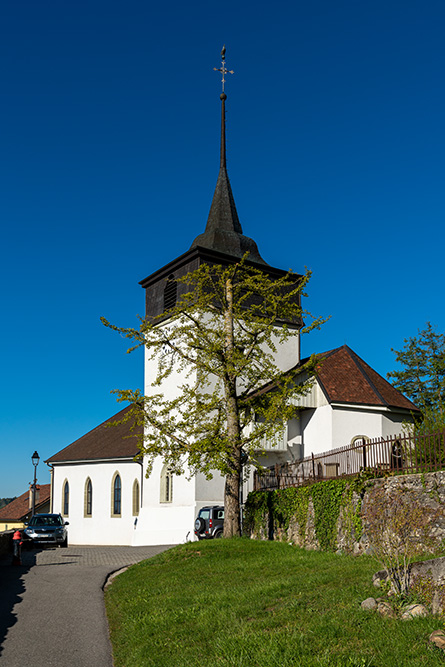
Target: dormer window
<point>170,292</point>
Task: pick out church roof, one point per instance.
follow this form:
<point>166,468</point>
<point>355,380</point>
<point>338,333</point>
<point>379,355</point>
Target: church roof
<point>106,441</point>
<point>345,378</point>
<point>17,509</point>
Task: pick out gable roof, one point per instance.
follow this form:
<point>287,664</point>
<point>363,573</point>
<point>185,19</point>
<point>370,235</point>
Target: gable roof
<point>103,442</point>
<point>17,509</point>
<point>345,378</point>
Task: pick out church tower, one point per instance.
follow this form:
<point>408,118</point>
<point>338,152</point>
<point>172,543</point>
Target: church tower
<point>170,503</point>
<point>222,242</point>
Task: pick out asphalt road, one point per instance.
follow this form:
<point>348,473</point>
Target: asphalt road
<point>52,610</point>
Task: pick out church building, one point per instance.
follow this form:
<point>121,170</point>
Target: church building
<point>99,486</point>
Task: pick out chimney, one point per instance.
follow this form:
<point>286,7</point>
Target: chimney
<point>37,495</point>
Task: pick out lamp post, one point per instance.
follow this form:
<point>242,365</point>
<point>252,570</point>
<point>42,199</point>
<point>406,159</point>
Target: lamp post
<point>35,461</point>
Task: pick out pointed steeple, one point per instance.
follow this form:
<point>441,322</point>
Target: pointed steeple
<point>223,231</point>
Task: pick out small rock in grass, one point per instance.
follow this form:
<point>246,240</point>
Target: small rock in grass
<point>438,638</point>
<point>385,609</point>
<point>369,604</point>
<point>379,578</point>
<point>413,611</point>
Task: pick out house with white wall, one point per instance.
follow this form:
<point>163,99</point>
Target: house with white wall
<point>99,484</point>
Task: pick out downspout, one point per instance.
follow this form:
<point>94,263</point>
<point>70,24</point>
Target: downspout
<point>51,490</point>
<point>141,463</point>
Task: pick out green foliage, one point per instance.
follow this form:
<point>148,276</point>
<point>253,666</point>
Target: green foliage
<point>220,341</point>
<point>422,377</point>
<point>6,501</point>
<point>256,509</point>
<point>250,603</point>
<point>221,337</point>
<point>327,498</point>
<point>352,506</point>
<point>291,505</point>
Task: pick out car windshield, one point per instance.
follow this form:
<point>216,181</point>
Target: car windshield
<point>45,521</point>
<point>204,514</point>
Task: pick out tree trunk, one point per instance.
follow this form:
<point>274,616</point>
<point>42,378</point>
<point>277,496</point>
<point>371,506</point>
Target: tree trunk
<point>232,525</point>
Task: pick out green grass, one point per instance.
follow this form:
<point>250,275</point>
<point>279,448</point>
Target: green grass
<point>245,603</point>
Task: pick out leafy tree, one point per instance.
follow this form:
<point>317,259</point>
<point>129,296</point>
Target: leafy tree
<point>6,501</point>
<point>422,377</point>
<point>221,337</point>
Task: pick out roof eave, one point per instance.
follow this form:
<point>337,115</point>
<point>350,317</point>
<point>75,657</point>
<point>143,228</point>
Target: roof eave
<point>110,459</point>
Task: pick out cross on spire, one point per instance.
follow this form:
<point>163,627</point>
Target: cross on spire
<point>223,69</point>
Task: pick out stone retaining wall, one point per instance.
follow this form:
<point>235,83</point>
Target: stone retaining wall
<point>350,535</point>
<point>6,542</point>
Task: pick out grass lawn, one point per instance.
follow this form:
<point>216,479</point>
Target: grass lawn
<point>245,603</point>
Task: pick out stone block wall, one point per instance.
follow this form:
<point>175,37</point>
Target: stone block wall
<point>333,514</point>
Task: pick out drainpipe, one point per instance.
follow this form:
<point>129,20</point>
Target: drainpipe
<point>141,463</point>
<point>51,488</point>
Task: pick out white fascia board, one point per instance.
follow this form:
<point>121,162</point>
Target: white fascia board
<point>370,408</point>
<point>82,462</point>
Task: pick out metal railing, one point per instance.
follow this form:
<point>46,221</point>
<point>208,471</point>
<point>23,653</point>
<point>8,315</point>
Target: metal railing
<point>401,454</point>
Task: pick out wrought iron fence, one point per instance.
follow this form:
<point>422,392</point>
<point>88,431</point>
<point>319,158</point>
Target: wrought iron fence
<point>402,454</point>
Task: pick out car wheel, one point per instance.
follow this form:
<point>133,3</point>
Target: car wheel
<point>64,543</point>
<point>200,525</point>
<point>218,534</point>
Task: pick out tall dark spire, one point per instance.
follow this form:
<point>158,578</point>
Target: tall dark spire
<point>223,231</point>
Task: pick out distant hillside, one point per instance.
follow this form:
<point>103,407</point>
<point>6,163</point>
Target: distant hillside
<point>6,501</point>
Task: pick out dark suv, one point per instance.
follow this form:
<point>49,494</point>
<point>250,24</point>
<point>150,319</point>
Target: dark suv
<point>209,522</point>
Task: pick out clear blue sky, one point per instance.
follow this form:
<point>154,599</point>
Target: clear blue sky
<point>109,117</point>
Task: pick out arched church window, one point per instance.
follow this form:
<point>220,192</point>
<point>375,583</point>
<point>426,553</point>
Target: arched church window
<point>88,498</point>
<point>136,498</point>
<point>65,498</point>
<point>116,495</point>
<point>166,485</point>
<point>170,292</point>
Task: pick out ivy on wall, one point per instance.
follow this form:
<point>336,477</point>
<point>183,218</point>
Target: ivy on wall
<point>268,511</point>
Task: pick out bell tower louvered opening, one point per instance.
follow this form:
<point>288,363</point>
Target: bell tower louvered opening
<point>170,292</point>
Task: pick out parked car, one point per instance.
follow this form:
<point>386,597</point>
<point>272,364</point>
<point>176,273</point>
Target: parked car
<point>47,529</point>
<point>209,522</point>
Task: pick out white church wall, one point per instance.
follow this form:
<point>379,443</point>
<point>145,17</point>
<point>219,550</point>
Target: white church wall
<point>169,524</point>
<point>395,423</point>
<point>209,491</point>
<point>101,528</point>
<point>316,427</point>
<point>349,422</point>
<point>166,522</point>
<point>288,353</point>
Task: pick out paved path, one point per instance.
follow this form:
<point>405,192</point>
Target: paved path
<point>52,610</point>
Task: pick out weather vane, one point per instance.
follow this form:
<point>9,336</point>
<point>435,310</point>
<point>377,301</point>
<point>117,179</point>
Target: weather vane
<point>223,69</point>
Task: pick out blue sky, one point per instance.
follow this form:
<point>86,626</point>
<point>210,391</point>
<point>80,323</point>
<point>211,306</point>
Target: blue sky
<point>109,117</point>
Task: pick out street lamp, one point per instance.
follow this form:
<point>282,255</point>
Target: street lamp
<point>35,461</point>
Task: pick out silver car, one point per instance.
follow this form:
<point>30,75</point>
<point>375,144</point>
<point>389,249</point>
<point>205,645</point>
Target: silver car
<point>47,529</point>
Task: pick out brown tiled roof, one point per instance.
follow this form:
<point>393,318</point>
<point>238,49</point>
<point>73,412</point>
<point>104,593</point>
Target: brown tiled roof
<point>103,442</point>
<point>346,378</point>
<point>17,509</point>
